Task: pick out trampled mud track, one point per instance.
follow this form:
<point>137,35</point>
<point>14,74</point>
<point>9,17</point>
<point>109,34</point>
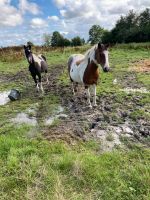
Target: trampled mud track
<point>108,118</point>
<point>110,121</point>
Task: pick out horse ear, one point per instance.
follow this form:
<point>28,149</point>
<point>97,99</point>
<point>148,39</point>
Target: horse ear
<point>100,46</point>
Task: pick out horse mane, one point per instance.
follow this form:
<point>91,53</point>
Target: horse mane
<point>90,53</point>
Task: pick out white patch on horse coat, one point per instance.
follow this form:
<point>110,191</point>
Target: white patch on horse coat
<point>107,61</point>
<point>38,59</point>
<point>77,71</point>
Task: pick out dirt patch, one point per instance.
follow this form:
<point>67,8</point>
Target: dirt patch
<point>22,76</point>
<point>141,66</point>
<point>106,123</point>
<point>112,115</point>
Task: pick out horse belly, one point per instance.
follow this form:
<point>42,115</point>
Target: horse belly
<point>74,74</point>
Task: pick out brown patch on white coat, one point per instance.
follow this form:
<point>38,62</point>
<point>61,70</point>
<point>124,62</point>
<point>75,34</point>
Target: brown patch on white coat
<point>87,72</point>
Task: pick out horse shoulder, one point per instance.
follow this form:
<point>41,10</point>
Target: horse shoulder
<point>91,74</point>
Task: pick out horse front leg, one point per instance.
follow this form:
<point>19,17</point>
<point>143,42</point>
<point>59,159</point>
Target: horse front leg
<point>94,95</point>
<point>35,80</point>
<point>88,96</point>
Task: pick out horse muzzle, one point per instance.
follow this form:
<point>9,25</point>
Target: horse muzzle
<point>106,69</point>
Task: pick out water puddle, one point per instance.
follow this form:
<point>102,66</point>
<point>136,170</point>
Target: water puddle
<point>27,117</point>
<point>133,90</point>
<point>57,115</point>
<point>4,98</point>
<point>23,118</point>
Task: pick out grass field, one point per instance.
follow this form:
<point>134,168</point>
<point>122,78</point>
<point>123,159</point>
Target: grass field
<point>64,161</point>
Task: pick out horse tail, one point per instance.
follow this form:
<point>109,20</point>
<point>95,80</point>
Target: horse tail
<point>70,60</point>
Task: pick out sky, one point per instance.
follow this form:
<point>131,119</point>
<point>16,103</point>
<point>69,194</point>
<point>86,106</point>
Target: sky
<point>28,20</point>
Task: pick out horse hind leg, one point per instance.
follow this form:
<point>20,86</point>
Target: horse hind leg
<point>46,75</point>
<point>40,82</point>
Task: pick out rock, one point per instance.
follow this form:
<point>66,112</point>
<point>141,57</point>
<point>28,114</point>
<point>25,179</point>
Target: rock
<point>126,129</point>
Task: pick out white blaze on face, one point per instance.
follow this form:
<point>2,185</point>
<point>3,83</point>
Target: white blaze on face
<point>106,59</point>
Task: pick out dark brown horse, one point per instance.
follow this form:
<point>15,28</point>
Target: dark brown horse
<point>84,69</point>
<point>37,65</point>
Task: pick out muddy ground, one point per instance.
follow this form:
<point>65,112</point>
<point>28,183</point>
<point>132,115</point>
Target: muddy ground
<point>111,123</point>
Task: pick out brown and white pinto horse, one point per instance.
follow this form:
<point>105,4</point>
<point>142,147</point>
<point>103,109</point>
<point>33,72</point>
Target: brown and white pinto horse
<point>84,69</point>
<point>37,65</point>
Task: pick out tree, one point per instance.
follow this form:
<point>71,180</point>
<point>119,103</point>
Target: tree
<point>77,41</point>
<point>30,43</point>
<point>47,39</point>
<point>144,24</point>
<point>57,40</point>
<point>66,42</point>
<point>96,34</point>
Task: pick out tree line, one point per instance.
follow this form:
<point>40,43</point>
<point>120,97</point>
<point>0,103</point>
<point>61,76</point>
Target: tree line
<point>130,28</point>
<point>58,40</point>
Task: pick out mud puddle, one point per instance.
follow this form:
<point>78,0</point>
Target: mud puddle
<point>135,90</point>
<point>23,118</point>
<point>4,98</point>
<point>56,115</point>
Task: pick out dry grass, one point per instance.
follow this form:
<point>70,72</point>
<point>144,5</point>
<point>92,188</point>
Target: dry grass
<point>141,66</point>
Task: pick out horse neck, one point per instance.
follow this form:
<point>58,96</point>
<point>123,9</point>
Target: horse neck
<point>31,55</point>
<point>90,57</point>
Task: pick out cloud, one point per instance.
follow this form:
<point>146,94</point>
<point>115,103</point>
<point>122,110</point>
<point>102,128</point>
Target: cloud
<point>60,3</point>
<point>64,33</point>
<point>9,15</point>
<point>26,6</point>
<point>74,18</point>
<point>13,16</point>
<point>53,18</point>
<point>38,23</point>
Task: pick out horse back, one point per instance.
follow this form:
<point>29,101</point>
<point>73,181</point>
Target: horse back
<point>40,63</point>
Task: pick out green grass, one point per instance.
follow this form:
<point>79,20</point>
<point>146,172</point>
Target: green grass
<point>37,169</point>
<point>33,168</point>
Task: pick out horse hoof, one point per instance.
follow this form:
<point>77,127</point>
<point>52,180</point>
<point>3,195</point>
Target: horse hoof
<point>90,106</point>
<point>37,90</point>
<point>95,105</point>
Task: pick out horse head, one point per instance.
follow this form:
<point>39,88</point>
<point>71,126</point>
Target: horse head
<point>101,56</point>
<point>28,53</point>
